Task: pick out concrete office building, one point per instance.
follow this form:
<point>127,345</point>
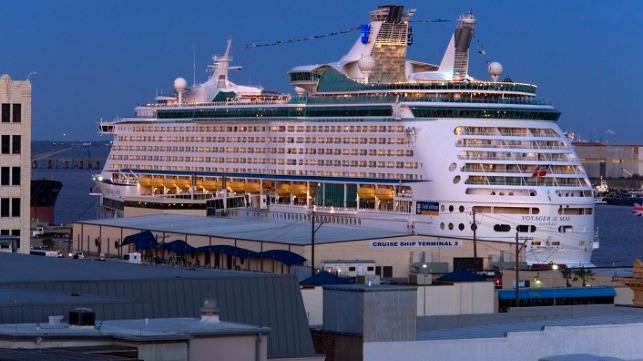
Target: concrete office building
<point>15,160</point>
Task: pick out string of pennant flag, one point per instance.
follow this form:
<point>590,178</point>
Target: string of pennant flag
<point>322,36</point>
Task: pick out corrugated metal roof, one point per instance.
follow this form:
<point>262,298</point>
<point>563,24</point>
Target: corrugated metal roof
<point>35,287</point>
<point>265,229</point>
<point>535,319</point>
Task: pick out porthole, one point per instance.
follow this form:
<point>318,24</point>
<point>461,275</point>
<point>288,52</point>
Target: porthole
<point>461,227</point>
<point>461,209</point>
<point>442,225</point>
<point>456,179</point>
<point>474,227</point>
<point>502,228</point>
<point>442,208</point>
<point>452,167</point>
<point>450,208</point>
<point>450,226</point>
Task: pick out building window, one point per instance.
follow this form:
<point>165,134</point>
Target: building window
<point>4,176</point>
<point>4,207</point>
<point>15,207</point>
<point>17,113</point>
<point>5,139</point>
<point>15,176</point>
<point>15,144</point>
<point>6,112</point>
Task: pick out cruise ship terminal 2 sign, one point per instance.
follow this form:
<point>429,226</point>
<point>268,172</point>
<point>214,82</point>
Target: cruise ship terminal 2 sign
<point>412,244</point>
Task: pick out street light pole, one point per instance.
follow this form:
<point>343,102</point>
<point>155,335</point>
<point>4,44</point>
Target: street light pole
<point>424,284</point>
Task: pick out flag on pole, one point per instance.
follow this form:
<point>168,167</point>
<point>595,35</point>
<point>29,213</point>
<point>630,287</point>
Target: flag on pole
<point>540,171</point>
<point>637,210</point>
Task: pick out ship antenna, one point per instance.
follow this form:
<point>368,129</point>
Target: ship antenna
<point>193,63</point>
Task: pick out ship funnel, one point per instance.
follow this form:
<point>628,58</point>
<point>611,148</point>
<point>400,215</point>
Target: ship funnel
<point>456,57</point>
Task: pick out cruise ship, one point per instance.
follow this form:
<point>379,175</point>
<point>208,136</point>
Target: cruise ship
<point>374,139</point>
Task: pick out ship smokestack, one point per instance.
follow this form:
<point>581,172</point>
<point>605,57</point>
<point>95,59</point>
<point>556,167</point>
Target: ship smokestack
<point>462,36</point>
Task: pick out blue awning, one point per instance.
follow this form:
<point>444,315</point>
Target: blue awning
<point>230,250</point>
<point>142,241</point>
<point>286,257</point>
<point>179,247</point>
<point>568,292</point>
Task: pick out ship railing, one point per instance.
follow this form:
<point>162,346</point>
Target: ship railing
<point>219,103</point>
<point>509,146</point>
<point>389,98</point>
<point>525,181</point>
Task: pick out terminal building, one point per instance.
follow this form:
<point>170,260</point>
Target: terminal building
<point>610,160</point>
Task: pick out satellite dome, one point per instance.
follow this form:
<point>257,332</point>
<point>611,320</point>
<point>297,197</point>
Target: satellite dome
<point>180,84</point>
<point>300,91</point>
<point>495,69</point>
<point>366,63</point>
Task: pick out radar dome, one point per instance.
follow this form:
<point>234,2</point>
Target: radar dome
<point>180,84</point>
<point>495,69</point>
<point>366,63</point>
<point>300,91</point>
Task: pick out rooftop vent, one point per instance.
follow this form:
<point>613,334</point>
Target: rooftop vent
<point>82,317</point>
<point>210,311</point>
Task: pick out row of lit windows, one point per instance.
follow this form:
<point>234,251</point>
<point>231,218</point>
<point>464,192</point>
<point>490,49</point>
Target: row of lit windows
<point>244,150</point>
<point>270,161</point>
<point>262,129</point>
<point>274,140</point>
<point>510,144</point>
<point>519,168</point>
<point>506,131</point>
<point>551,157</point>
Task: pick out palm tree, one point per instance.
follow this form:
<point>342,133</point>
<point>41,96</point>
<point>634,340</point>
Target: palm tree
<point>583,274</point>
<point>567,275</point>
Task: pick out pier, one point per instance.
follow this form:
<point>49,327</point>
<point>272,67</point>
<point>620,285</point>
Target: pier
<point>68,163</point>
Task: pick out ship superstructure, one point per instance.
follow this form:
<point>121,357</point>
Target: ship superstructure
<point>375,139</point>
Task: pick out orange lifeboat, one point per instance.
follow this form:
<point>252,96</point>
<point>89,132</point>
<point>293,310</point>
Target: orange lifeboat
<point>384,194</point>
<point>366,193</point>
<point>211,184</point>
<point>298,190</point>
<point>157,182</point>
<point>145,181</point>
<point>169,182</point>
<point>183,183</point>
<point>253,187</point>
<point>283,189</point>
<point>237,186</point>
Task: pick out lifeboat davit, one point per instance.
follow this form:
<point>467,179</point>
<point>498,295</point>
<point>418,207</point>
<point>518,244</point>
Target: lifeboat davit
<point>253,187</point>
<point>384,194</point>
<point>145,181</point>
<point>283,189</point>
<point>183,183</point>
<point>366,193</point>
<point>298,190</point>
<point>157,182</point>
<point>211,184</point>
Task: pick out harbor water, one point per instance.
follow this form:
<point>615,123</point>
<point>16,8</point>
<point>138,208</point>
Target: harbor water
<point>620,232</point>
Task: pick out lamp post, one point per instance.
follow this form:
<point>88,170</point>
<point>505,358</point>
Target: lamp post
<point>30,74</point>
<point>424,266</point>
<point>555,268</point>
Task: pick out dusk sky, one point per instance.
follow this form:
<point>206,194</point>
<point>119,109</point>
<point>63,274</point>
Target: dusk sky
<point>99,59</point>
